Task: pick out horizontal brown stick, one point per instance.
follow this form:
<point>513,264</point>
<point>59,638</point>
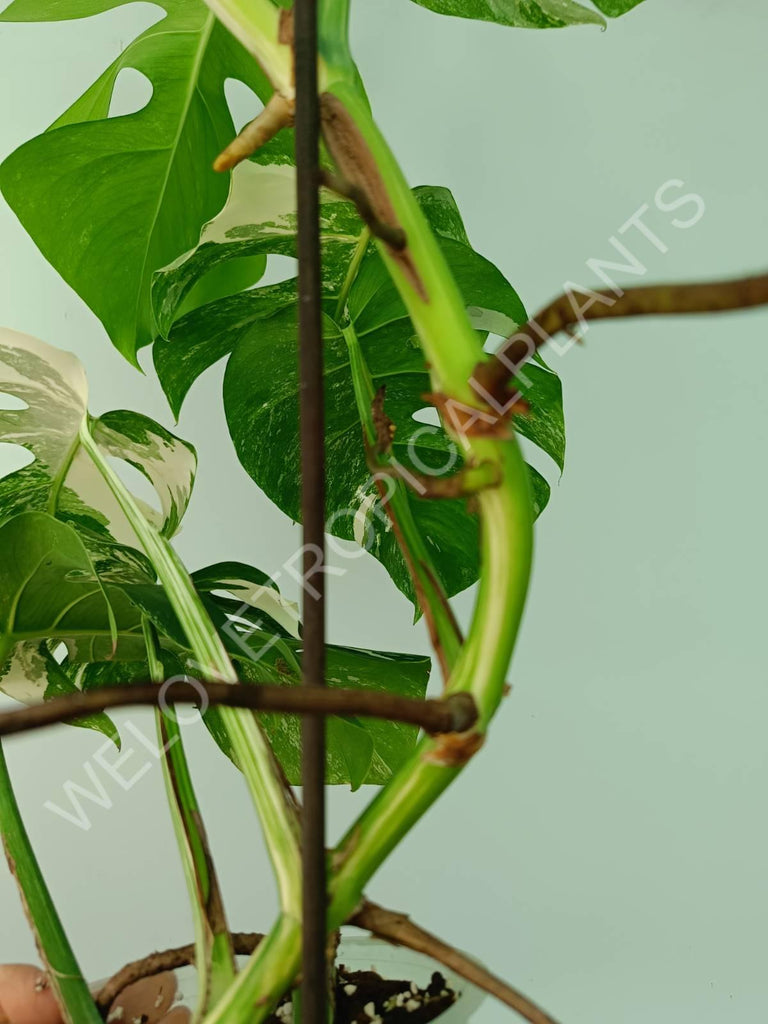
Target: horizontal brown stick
<point>401,931</point>
<point>575,308</point>
<point>455,713</point>
<point>243,944</point>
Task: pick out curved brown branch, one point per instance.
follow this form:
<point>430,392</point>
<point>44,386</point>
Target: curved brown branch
<point>574,308</point>
<point>243,943</point>
<point>401,931</point>
<point>455,713</point>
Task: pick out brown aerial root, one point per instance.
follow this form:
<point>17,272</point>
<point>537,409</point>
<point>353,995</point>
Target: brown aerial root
<point>276,115</point>
<point>243,944</point>
<point>465,420</point>
<point>568,312</point>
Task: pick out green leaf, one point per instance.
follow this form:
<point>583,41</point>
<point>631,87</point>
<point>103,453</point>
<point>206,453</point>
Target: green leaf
<point>108,200</point>
<point>615,8</point>
<point>49,588</point>
<point>518,13</point>
<point>50,593</point>
<point>257,329</point>
<point>62,479</point>
<point>352,740</point>
<point>204,338</point>
<point>359,750</point>
<point>33,675</point>
<point>531,13</point>
<point>48,583</point>
<point>249,594</point>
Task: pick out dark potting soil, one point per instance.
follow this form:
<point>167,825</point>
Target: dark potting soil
<point>364,997</point>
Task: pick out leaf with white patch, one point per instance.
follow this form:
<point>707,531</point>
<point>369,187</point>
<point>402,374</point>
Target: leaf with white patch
<point>531,13</point>
<point>259,218</point>
<point>252,590</point>
<point>62,479</point>
<point>34,676</point>
<point>257,329</point>
<point>50,593</point>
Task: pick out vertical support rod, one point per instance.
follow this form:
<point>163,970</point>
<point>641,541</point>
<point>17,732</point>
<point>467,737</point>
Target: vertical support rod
<point>314,969</point>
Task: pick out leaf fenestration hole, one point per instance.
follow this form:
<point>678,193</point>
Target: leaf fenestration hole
<point>429,415</point>
<point>8,401</point>
<point>132,93</point>
<point>13,458</point>
<point>242,101</point>
<point>59,652</point>
<point>136,482</point>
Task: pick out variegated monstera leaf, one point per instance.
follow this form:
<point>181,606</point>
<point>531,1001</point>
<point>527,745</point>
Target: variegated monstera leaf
<point>74,595</point>
<point>65,544</point>
<point>62,479</point>
<point>256,331</point>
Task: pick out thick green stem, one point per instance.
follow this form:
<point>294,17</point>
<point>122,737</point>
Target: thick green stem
<point>349,279</point>
<point>481,670</point>
<point>452,351</point>
<point>268,976</point>
<point>271,798</point>
<point>214,958</point>
<point>257,25</point>
<point>70,988</point>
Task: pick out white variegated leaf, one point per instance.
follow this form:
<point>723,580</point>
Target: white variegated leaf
<point>259,218</point>
<point>33,676</point>
<point>26,677</point>
<point>62,480</point>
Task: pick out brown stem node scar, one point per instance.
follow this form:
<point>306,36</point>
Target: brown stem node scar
<point>465,420</point>
<point>453,750</point>
<point>383,426</point>
<point>285,27</point>
<point>398,929</point>
<point>394,237</point>
<point>465,483</point>
<point>276,115</point>
<point>358,166</point>
<point>462,484</point>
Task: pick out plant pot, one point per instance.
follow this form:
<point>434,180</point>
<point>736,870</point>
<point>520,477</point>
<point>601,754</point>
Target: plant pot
<point>364,953</point>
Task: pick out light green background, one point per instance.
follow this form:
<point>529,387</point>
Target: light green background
<point>607,852</point>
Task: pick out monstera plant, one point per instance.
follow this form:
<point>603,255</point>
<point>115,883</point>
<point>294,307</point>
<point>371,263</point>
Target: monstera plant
<point>164,221</point>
